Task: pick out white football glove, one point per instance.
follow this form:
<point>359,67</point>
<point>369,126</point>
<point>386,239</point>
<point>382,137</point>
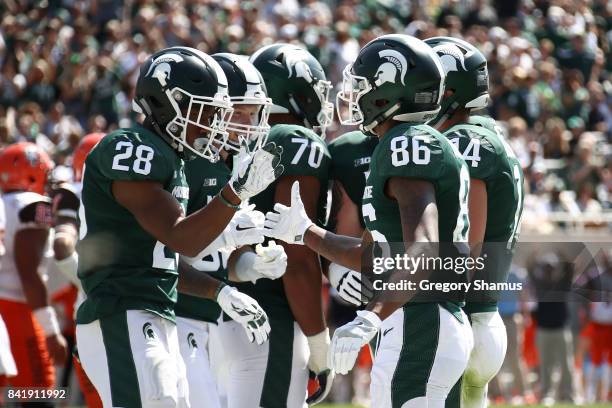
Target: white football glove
<point>351,286</point>
<point>246,311</point>
<point>350,338</point>
<point>318,366</point>
<point>254,172</point>
<point>268,262</point>
<point>288,224</point>
<point>245,228</point>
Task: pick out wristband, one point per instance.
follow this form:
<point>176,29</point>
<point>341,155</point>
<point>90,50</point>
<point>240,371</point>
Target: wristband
<point>226,202</point>
<point>218,291</point>
<point>47,319</point>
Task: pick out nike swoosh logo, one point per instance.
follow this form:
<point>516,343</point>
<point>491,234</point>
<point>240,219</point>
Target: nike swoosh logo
<point>239,228</point>
<point>387,331</point>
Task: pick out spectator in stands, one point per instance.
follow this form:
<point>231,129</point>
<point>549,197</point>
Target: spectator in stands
<point>551,278</point>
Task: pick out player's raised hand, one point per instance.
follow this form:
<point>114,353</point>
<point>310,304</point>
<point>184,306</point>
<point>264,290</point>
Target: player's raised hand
<point>288,224</point>
<point>246,311</point>
<point>350,338</point>
<point>254,172</point>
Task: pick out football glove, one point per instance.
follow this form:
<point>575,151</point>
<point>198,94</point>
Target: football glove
<point>246,311</point>
<point>245,228</point>
<point>254,172</point>
<point>318,366</point>
<point>268,262</point>
<point>288,224</point>
<point>350,338</point>
<point>351,286</point>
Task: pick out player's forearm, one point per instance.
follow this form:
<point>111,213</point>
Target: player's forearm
<point>233,261</point>
<point>340,249</point>
<point>302,282</point>
<point>34,288</point>
<point>197,231</point>
<point>65,239</point>
<point>197,283</point>
<point>29,248</point>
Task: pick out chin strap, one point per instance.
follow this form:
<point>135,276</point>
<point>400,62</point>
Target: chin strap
<point>442,117</point>
<point>384,116</point>
<point>298,112</point>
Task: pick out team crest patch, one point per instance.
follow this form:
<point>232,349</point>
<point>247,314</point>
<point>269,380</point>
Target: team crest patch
<point>147,330</point>
<point>388,71</point>
<point>192,341</point>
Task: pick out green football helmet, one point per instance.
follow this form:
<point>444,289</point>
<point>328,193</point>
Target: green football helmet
<point>182,86</point>
<point>246,87</point>
<point>395,76</point>
<point>466,75</point>
<point>296,83</point>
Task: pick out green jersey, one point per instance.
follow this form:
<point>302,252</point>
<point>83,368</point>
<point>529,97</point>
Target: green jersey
<point>488,123</point>
<point>304,154</point>
<point>121,266</point>
<point>419,152</point>
<point>351,154</point>
<point>205,180</point>
<point>490,159</point>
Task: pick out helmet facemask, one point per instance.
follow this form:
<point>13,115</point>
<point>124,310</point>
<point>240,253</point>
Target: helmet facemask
<point>252,136</point>
<point>214,136</point>
<point>325,117</point>
<point>347,100</point>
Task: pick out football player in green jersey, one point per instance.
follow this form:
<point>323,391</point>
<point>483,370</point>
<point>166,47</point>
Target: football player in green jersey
<point>416,194</point>
<point>351,154</point>
<point>134,200</point>
<point>197,317</point>
<point>276,374</point>
<point>495,206</point>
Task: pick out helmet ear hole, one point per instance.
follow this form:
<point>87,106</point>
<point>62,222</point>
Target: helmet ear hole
<point>379,103</point>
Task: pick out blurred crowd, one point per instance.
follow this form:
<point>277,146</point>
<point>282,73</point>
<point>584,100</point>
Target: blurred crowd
<point>68,68</point>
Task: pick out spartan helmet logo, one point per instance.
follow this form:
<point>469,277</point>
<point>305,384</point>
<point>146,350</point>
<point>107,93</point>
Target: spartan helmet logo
<point>161,69</point>
<point>449,55</point>
<point>294,61</point>
<point>387,71</point>
<point>147,330</point>
<point>192,341</point>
